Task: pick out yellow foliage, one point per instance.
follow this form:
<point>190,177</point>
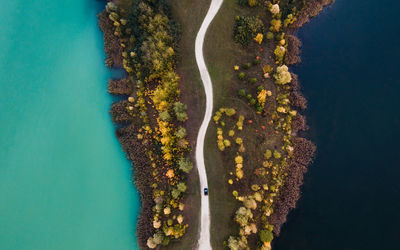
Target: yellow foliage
<point>259,38</point>
<point>239,159</point>
<point>170,173</point>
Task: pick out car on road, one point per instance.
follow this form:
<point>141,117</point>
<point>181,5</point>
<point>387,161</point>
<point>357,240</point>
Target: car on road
<point>205,191</point>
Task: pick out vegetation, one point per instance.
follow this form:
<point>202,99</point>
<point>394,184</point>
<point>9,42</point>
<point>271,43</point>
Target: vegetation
<point>265,161</point>
<point>141,37</point>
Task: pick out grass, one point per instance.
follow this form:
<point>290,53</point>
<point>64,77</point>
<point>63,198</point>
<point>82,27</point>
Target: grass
<point>221,54</point>
<point>190,14</point>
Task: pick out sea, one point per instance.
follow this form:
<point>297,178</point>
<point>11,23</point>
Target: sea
<point>65,182</point>
<point>351,194</point>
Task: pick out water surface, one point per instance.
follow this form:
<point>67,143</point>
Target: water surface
<point>350,77</point>
<point>64,180</point>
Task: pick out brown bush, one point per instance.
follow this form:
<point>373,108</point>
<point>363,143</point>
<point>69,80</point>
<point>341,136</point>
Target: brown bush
<point>120,87</point>
<point>119,113</point>
<point>112,46</point>
<point>293,50</point>
<point>299,123</point>
<point>304,151</point>
<point>312,8</point>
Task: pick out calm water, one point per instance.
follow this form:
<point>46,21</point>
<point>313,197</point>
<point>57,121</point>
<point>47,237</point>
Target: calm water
<point>64,181</point>
<point>350,77</point>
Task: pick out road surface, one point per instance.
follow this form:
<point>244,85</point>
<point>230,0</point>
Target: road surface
<point>204,239</point>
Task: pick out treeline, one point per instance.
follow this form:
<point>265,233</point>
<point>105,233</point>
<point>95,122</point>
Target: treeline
<point>141,37</point>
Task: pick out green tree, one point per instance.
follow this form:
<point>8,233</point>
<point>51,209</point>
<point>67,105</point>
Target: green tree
<point>165,116</point>
<point>180,111</point>
<point>185,165</point>
<point>266,236</point>
<point>181,132</point>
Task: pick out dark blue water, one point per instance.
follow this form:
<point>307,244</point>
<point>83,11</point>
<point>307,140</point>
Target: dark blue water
<point>349,75</point>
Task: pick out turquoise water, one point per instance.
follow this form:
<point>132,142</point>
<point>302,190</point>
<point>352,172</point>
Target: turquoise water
<point>64,180</point>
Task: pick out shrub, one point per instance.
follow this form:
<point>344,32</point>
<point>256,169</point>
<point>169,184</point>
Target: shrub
<point>270,35</point>
<point>238,159</point>
<point>231,133</point>
<point>241,92</point>
<point>242,2</point>
<point>230,112</point>
<point>241,75</point>
<point>246,66</point>
<point>268,154</point>
<point>259,88</point>
<point>277,155</point>
<point>249,97</point>
<point>253,80</point>
<point>252,3</point>
<point>252,101</point>
<point>256,61</point>
<point>246,28</point>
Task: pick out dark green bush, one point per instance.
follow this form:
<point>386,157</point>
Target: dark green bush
<point>246,66</point>
<point>256,62</point>
<point>253,80</point>
<point>241,75</point>
<point>242,92</point>
<point>252,101</point>
<point>259,88</point>
<point>249,97</point>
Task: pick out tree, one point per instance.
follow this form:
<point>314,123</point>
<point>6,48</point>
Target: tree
<point>185,165</point>
<point>181,132</point>
<point>164,116</point>
<point>282,75</point>
<point>266,236</point>
<point>180,111</point>
<point>246,28</point>
<point>181,186</point>
<point>241,92</point>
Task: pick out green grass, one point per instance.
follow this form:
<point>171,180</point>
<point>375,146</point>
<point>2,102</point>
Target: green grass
<point>221,54</point>
<point>190,14</point>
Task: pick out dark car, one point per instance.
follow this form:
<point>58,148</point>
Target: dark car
<point>205,191</point>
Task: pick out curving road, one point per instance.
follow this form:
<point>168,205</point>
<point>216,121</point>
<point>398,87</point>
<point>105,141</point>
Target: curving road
<point>204,239</point>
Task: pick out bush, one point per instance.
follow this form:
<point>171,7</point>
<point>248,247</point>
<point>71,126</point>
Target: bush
<point>246,66</point>
<point>252,101</point>
<point>242,2</point>
<point>246,28</point>
<point>253,80</point>
<point>242,92</point>
<point>249,97</point>
<point>256,61</point>
<point>259,88</point>
<point>241,75</point>
<point>270,35</point>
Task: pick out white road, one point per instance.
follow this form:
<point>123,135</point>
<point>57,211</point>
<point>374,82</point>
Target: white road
<point>204,239</point>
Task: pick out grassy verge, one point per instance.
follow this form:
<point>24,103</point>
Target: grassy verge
<point>190,14</point>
